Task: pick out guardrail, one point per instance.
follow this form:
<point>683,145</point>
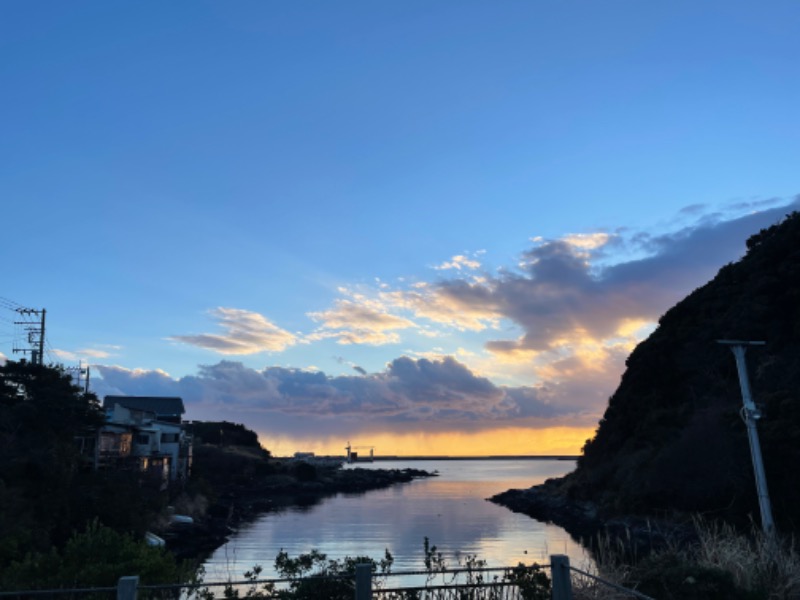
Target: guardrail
<point>506,583</point>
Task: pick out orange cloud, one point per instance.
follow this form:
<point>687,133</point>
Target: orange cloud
<point>438,305</point>
<point>359,321</point>
<point>246,332</point>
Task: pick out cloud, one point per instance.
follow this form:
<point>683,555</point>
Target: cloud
<point>246,332</point>
<point>118,380</point>
<point>408,395</point>
<point>359,320</point>
<point>556,330</point>
<point>459,262</point>
<point>464,305</point>
<point>567,313</point>
<point>86,353</point>
<point>560,298</point>
<point>587,241</point>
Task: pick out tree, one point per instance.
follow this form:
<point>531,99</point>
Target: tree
<point>43,415</point>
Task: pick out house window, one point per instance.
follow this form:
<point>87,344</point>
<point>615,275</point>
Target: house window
<point>142,439</point>
<point>169,438</point>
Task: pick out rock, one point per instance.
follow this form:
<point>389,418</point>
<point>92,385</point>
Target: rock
<point>546,504</point>
<point>584,521</point>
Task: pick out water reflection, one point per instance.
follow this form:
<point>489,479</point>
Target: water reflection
<point>451,510</point>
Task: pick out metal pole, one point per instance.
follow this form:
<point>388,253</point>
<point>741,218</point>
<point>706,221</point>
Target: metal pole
<point>364,581</point>
<point>126,587</point>
<point>562,581</point>
<point>41,340</point>
<point>751,416</point>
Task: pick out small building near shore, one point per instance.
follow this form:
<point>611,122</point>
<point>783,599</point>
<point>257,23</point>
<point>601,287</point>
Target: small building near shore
<point>145,433</point>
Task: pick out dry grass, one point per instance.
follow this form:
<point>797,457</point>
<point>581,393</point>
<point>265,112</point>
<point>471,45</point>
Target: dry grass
<point>767,565</point>
<point>611,564</point>
<point>760,566</point>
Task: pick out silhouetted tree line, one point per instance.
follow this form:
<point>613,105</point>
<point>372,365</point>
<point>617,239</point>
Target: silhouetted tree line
<point>672,438</point>
<point>52,500</point>
<point>223,433</point>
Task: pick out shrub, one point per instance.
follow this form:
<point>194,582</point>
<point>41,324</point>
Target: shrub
<point>98,557</point>
<point>305,472</point>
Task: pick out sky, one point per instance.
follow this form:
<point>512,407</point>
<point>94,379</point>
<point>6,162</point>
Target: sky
<point>425,227</point>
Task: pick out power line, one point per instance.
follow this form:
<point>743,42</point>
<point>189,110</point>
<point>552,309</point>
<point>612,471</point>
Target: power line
<point>8,329</point>
<point>9,304</point>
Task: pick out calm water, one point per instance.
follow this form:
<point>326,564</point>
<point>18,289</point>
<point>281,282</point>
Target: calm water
<point>451,510</point>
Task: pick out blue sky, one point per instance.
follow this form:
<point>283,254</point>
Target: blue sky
<point>378,219</point>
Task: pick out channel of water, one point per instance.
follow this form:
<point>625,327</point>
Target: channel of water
<point>451,510</point>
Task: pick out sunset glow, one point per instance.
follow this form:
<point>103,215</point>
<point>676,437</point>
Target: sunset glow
<point>561,441</point>
<point>430,227</point>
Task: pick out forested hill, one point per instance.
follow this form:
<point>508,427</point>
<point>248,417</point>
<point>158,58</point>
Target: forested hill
<point>672,436</point>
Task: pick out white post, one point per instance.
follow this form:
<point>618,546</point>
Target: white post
<point>364,581</point>
<point>126,587</point>
<point>562,582</point>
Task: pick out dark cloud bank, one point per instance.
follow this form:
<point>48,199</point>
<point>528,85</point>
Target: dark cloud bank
<point>419,394</point>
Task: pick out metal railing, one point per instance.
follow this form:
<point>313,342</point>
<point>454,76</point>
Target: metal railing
<point>506,583</point>
<point>624,592</point>
<point>562,573</point>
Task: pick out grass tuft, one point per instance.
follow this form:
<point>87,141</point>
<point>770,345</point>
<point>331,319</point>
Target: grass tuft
<point>724,564</point>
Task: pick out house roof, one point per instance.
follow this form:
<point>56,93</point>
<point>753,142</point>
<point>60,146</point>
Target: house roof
<point>160,405</point>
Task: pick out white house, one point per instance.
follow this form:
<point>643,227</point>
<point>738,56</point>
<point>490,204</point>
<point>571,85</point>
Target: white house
<point>146,433</point>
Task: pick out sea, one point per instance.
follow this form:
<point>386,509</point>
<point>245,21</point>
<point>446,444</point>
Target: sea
<point>451,510</point>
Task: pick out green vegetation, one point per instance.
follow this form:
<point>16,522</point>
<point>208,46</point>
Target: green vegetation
<point>313,576</point>
<point>85,527</point>
<point>49,489</point>
<point>223,433</point>
<point>98,557</point>
<point>223,466</point>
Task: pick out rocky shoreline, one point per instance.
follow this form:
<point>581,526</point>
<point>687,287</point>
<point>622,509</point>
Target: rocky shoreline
<point>237,504</point>
<point>547,504</point>
<point>587,523</point>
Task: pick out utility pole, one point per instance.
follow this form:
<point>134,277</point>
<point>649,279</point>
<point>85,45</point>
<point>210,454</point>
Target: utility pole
<point>81,376</point>
<point>35,334</point>
<point>751,415</point>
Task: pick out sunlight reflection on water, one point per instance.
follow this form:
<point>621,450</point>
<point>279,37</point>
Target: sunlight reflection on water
<point>451,510</point>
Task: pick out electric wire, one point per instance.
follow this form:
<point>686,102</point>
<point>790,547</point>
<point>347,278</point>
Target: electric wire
<point>9,304</point>
<point>50,351</point>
